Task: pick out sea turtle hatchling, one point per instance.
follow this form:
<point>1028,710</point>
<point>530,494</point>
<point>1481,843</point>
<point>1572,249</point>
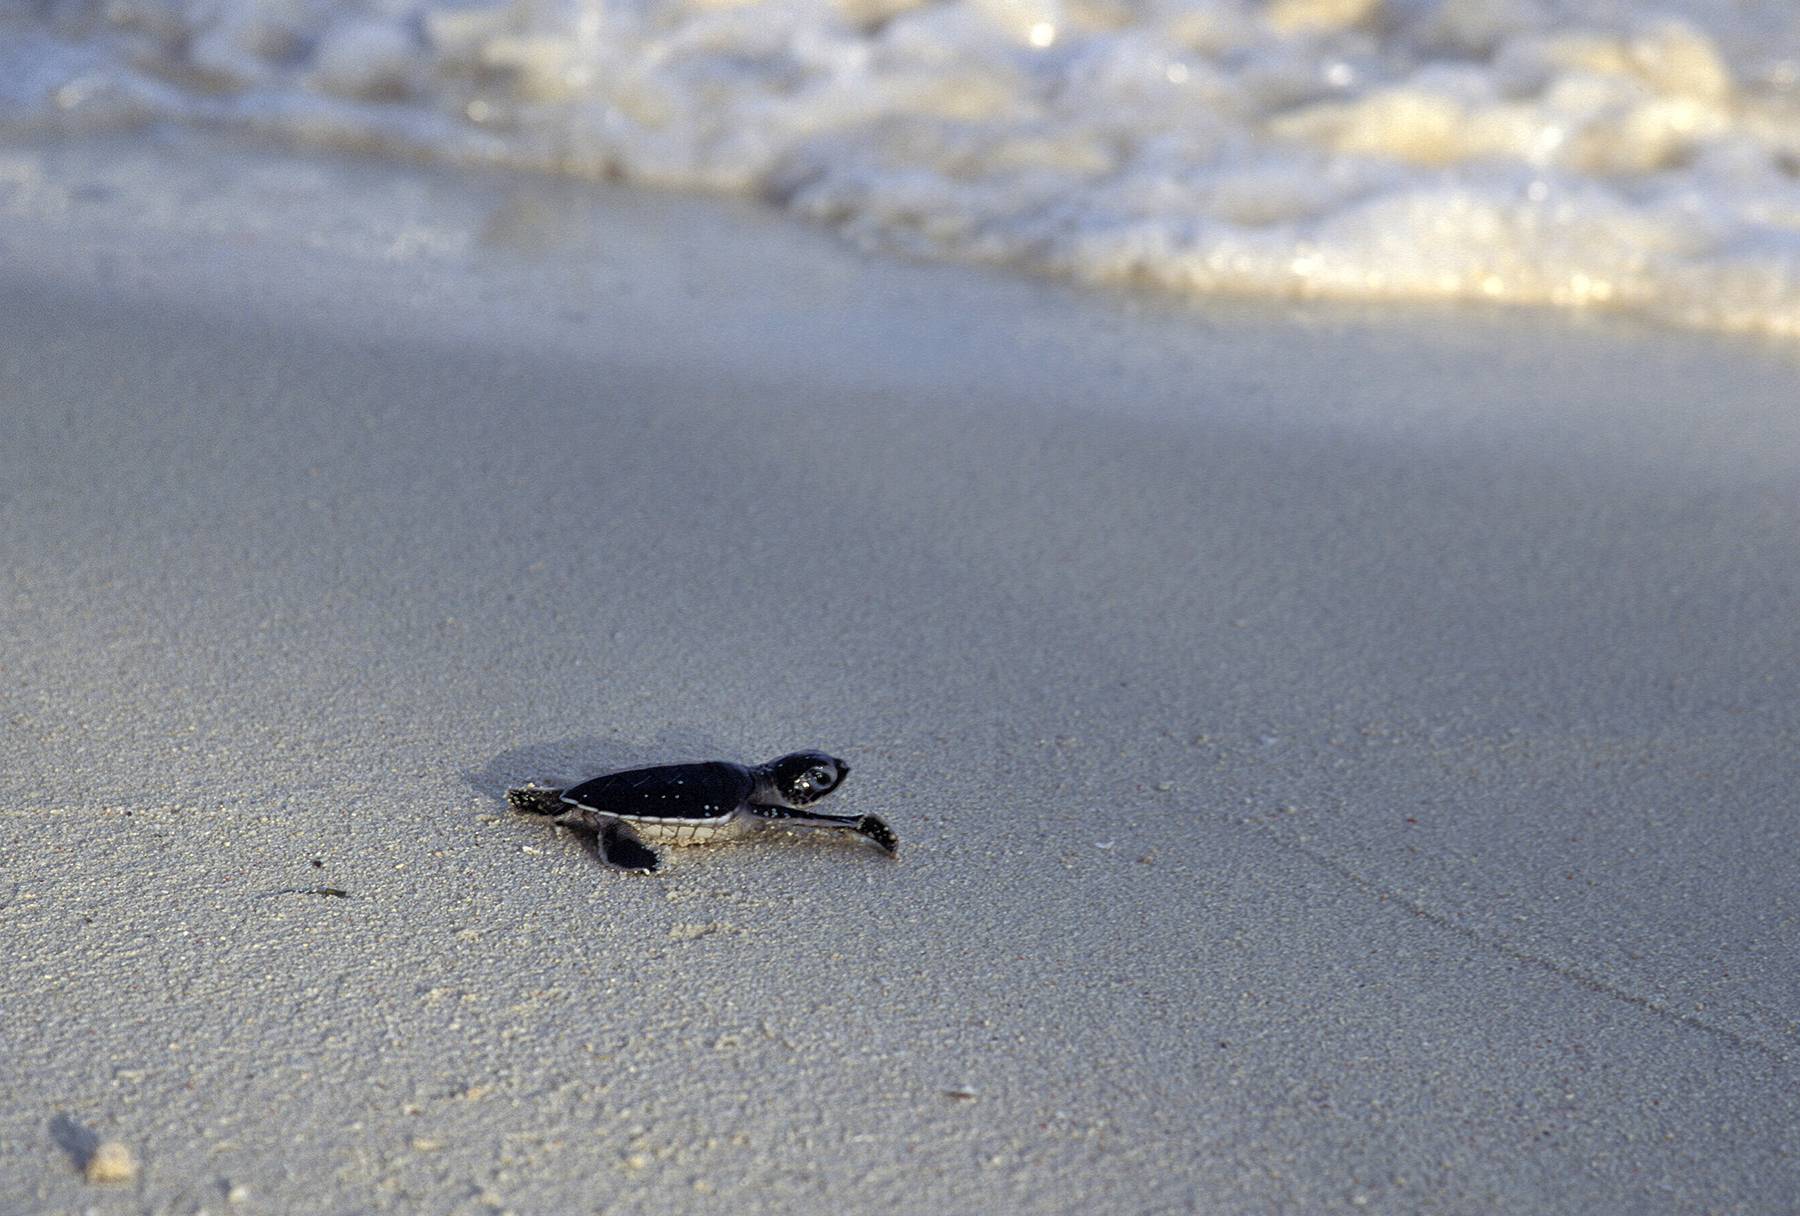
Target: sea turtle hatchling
<point>699,804</point>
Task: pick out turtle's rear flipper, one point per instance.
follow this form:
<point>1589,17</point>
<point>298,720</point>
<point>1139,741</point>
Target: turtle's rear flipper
<point>620,848</point>
<point>536,800</point>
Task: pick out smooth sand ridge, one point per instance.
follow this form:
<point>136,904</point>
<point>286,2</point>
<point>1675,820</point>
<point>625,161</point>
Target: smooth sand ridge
<point>1340,761</point>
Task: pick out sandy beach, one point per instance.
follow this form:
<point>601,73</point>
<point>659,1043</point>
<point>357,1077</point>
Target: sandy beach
<point>1344,759</point>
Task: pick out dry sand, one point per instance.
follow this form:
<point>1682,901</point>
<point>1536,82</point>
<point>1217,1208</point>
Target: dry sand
<point>1344,762</point>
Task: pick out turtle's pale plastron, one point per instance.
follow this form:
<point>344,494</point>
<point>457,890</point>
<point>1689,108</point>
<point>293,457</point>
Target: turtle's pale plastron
<point>699,804</point>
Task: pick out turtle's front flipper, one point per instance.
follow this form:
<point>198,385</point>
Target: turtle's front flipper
<point>621,849</point>
<point>876,829</point>
<point>870,827</point>
<point>613,840</point>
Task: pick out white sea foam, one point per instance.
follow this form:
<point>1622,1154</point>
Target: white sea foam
<point>1565,152</point>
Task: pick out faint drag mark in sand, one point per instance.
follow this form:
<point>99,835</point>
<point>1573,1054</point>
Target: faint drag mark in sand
<point>123,812</point>
<point>1564,971</point>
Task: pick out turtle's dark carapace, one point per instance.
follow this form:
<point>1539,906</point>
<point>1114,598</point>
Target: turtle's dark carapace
<point>670,791</point>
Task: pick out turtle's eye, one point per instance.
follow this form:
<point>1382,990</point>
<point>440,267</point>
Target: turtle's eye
<point>817,778</point>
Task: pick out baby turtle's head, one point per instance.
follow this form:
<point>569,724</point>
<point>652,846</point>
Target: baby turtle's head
<point>801,779</point>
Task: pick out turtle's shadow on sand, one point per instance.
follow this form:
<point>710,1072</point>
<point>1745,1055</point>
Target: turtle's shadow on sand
<point>77,1141</point>
<point>565,762</point>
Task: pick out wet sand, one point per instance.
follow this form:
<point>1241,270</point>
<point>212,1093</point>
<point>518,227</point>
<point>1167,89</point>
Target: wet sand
<point>1343,760</point>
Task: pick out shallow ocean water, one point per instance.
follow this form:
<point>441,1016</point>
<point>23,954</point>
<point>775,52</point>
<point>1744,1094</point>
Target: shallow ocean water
<point>1574,153</point>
